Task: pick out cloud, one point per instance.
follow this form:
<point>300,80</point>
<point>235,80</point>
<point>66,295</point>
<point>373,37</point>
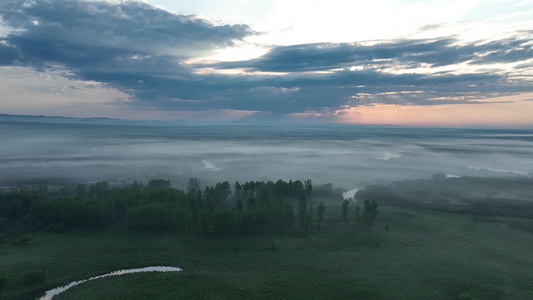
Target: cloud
<point>8,54</point>
<point>325,56</point>
<point>504,51</point>
<point>127,26</point>
<point>432,52</point>
<point>143,51</point>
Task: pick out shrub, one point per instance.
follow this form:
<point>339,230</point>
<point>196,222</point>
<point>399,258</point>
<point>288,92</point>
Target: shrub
<point>60,227</point>
<point>466,296</point>
<point>155,217</point>
<point>49,228</point>
<point>33,277</point>
<point>22,241</point>
<point>3,281</point>
<point>56,227</point>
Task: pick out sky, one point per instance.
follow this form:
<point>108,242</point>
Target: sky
<point>401,62</point>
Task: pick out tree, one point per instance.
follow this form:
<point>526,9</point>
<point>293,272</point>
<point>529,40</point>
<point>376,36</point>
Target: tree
<point>320,213</point>
<point>3,281</point>
<point>297,188</point>
<point>263,198</point>
<point>467,296</point>
<point>288,213</point>
<point>205,222</point>
<point>250,203</point>
<point>194,184</point>
<point>357,217</point>
<point>345,204</point>
<point>370,211</point>
<point>225,222</point>
<point>308,188</point>
<point>33,277</point>
<point>155,217</point>
<point>182,219</point>
<point>238,190</point>
<point>43,191</point>
<point>159,184</point>
<point>239,205</point>
<point>302,209</point>
<point>248,224</point>
<point>81,189</point>
<point>136,186</point>
<point>221,192</point>
<point>308,220</point>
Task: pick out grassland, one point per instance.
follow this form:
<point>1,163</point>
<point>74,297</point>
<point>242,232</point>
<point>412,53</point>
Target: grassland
<point>423,255</point>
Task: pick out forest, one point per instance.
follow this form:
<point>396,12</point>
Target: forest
<point>254,207</point>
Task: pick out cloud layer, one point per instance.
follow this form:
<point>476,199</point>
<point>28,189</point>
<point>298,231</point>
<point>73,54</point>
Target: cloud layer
<point>410,53</point>
<point>144,51</point>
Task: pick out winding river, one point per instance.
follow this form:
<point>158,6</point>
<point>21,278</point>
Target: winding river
<point>51,293</point>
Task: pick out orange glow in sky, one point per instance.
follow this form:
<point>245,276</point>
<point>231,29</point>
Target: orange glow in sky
<point>513,113</point>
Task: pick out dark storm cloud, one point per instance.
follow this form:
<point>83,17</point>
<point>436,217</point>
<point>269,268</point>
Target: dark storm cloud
<point>141,50</point>
<point>8,54</point>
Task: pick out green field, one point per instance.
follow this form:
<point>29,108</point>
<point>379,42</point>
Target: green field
<point>423,255</point>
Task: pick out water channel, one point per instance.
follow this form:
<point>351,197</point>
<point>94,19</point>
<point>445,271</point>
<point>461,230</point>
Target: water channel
<point>51,293</point>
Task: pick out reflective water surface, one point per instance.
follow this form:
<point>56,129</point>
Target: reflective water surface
<point>51,293</point>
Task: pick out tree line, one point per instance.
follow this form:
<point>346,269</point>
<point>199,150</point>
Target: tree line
<point>363,219</point>
<point>251,207</point>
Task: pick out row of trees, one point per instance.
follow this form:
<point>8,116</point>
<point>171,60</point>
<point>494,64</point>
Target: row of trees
<point>250,207</point>
<point>365,219</point>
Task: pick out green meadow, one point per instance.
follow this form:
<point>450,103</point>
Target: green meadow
<point>407,254</point>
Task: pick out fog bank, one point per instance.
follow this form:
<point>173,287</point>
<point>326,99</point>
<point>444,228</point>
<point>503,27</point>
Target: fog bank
<point>39,150</point>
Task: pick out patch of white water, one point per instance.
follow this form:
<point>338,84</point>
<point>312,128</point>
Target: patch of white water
<point>349,194</point>
<point>389,155</point>
<point>51,293</point>
<point>209,166</point>
<point>498,170</point>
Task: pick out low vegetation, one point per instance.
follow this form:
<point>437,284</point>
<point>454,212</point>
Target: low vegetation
<point>33,277</point>
<point>505,200</point>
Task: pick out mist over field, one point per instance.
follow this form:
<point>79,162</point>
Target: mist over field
<point>428,212</point>
<point>44,150</point>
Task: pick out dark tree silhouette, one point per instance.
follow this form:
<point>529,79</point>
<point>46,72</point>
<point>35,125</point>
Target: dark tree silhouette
<point>345,204</point>
<point>320,214</point>
<point>302,209</point>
